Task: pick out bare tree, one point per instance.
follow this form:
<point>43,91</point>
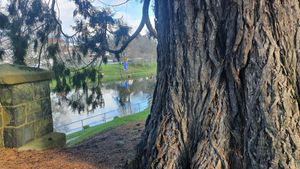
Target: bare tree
<point>142,49</point>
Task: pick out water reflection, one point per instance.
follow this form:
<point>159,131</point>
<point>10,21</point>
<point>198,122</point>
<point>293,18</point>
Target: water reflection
<point>120,99</point>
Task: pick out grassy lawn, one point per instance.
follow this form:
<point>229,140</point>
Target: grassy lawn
<point>80,136</point>
<point>115,72</point>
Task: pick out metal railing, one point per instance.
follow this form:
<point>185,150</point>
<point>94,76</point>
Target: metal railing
<point>102,118</point>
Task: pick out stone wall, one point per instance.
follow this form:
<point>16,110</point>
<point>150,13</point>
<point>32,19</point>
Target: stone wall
<point>26,112</point>
<point>1,128</point>
<point>25,106</point>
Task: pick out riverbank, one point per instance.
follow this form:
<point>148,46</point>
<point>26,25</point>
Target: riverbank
<point>115,72</point>
<point>78,137</point>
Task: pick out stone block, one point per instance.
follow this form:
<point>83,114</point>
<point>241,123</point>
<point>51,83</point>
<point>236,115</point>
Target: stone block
<point>39,110</point>
<point>25,96</point>
<point>31,117</point>
<point>1,138</point>
<point>28,133</point>
<point>18,74</point>
<point>43,126</point>
<point>1,112</point>
<point>22,93</point>
<point>17,115</point>
<point>16,137</point>
<point>5,117</point>
<point>16,94</point>
<point>39,115</point>
<point>10,138</point>
<point>41,89</point>
<point>34,107</point>
<point>37,91</point>
<point>6,97</point>
<point>46,107</point>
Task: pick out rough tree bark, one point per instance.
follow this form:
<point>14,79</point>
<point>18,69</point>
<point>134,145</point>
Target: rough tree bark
<point>228,86</point>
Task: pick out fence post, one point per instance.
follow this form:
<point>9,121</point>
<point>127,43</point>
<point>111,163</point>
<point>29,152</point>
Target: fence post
<point>131,109</point>
<point>139,107</point>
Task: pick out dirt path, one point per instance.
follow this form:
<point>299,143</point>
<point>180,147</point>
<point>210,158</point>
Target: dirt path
<point>109,150</point>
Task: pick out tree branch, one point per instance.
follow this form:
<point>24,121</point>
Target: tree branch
<point>58,23</point>
<point>145,19</point>
<point>148,22</point>
<point>113,5</point>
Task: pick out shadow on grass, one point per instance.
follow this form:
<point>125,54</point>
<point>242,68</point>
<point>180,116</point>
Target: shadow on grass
<point>109,145</point>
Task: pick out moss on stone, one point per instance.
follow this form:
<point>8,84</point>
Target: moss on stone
<point>51,140</point>
<point>16,137</point>
<point>26,107</point>
<point>16,74</point>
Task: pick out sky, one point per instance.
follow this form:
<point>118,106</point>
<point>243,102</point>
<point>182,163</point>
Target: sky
<point>131,12</point>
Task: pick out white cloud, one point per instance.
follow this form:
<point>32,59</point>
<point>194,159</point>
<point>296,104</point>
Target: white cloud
<point>66,9</point>
<point>3,3</point>
<point>114,2</point>
<point>66,15</point>
<point>134,23</point>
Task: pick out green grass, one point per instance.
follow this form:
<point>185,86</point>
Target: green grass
<point>80,136</point>
<point>115,72</point>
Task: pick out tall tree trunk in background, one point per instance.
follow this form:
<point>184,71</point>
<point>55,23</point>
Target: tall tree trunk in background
<point>228,86</point>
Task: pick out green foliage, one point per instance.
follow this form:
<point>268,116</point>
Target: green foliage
<point>2,52</point>
<point>53,50</point>
<point>3,24</point>
<point>3,21</point>
<point>116,72</point>
<point>33,24</point>
<point>86,127</point>
<point>121,34</point>
<point>28,21</point>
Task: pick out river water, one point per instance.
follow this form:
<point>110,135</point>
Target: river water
<point>120,99</point>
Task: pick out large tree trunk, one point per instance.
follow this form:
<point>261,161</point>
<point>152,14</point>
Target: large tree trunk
<point>227,93</point>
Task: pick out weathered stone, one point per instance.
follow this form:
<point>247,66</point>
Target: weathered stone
<point>41,90</point>
<point>34,107</point>
<point>31,117</point>
<point>22,93</point>
<point>10,139</point>
<point>38,109</point>
<point>16,137</point>
<point>39,115</point>
<point>17,115</point>
<point>51,140</point>
<point>1,112</point>
<point>46,107</point>
<point>25,97</point>
<point>28,133</point>
<point>5,118</point>
<point>16,94</point>
<point>1,138</point>
<point>36,116</point>
<point>17,74</point>
<point>6,98</point>
<point>43,126</point>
